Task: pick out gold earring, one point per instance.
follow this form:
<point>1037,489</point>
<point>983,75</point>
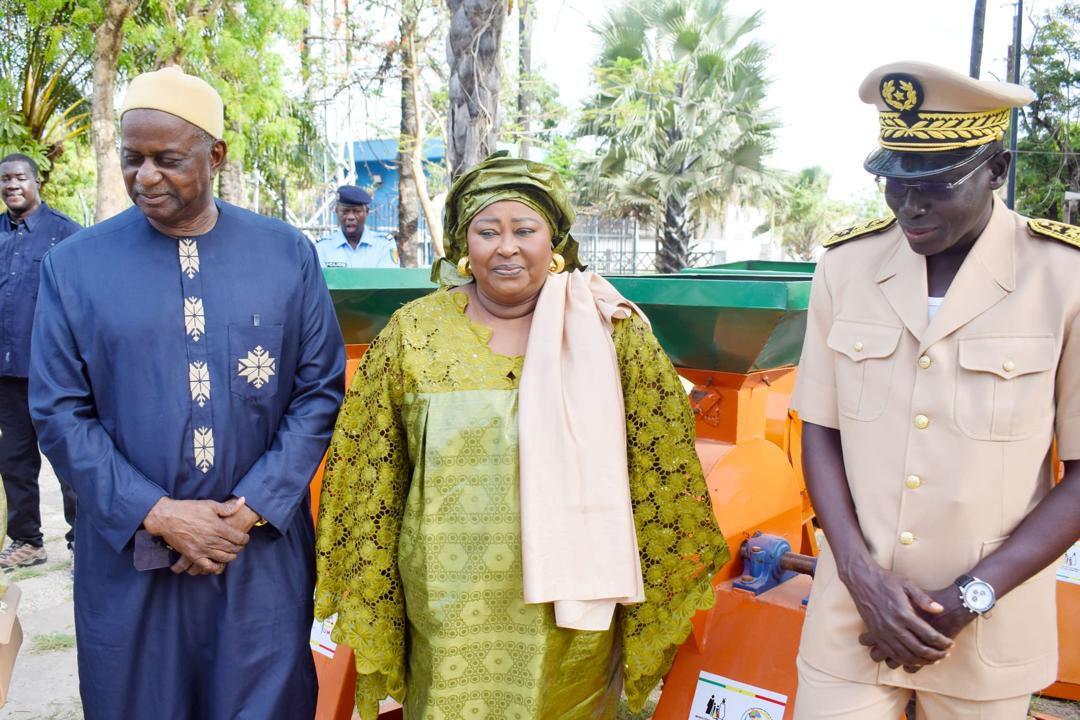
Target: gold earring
<point>558,263</point>
<point>463,268</point>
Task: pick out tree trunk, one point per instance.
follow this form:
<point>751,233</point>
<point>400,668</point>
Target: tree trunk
<point>674,237</point>
<point>472,50</point>
<point>108,42</point>
<point>524,98</point>
<point>231,184</point>
<point>408,139</point>
<point>977,29</point>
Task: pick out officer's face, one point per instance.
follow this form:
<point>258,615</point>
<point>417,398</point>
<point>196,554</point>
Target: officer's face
<point>936,220</point>
<point>19,185</point>
<point>168,166</point>
<point>351,218</point>
<point>509,252</point>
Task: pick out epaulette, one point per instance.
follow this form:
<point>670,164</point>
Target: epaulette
<point>857,231</point>
<point>1059,231</point>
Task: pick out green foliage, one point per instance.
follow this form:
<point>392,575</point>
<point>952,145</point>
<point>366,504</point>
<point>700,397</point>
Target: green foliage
<point>235,47</point>
<point>1048,162</point>
<point>71,185</point>
<point>803,215</point>
<point>802,212</point>
<point>44,69</point>
<point>678,117</point>
<point>15,137</point>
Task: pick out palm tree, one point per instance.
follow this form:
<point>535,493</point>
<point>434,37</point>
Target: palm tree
<point>473,53</point>
<point>42,71</point>
<point>678,118</point>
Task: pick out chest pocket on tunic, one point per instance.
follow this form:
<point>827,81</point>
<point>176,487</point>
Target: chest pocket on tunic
<point>254,358</point>
<point>864,366</point>
<point>1005,386</point>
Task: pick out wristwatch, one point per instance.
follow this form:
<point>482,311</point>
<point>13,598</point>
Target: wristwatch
<point>977,595</point>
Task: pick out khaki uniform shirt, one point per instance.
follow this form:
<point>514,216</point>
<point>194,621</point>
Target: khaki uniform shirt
<point>946,429</point>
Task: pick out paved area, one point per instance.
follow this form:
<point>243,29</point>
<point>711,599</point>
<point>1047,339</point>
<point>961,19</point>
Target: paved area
<point>45,685</point>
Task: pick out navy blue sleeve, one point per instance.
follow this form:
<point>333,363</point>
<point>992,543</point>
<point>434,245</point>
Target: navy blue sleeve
<point>113,495</point>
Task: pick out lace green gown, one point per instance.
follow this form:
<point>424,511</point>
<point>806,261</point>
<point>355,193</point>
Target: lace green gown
<point>419,543</point>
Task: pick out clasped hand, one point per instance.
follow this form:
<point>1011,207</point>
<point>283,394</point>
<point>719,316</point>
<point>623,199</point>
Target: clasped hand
<point>906,625</point>
<point>207,534</point>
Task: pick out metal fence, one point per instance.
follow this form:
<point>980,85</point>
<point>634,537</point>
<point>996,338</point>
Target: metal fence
<point>609,246</point>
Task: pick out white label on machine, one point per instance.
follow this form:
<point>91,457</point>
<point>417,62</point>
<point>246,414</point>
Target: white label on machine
<point>1070,567</point>
<point>721,698</point>
<point>320,637</point>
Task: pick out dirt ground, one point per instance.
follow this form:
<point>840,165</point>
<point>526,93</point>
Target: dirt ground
<point>45,685</point>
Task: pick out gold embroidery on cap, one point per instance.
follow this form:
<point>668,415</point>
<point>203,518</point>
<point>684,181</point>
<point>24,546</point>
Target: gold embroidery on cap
<point>943,131</point>
<point>903,99</point>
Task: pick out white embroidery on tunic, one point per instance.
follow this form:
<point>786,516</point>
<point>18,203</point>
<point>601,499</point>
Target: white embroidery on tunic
<point>204,448</point>
<point>199,379</point>
<point>257,367</point>
<point>189,258</point>
<point>194,320</point>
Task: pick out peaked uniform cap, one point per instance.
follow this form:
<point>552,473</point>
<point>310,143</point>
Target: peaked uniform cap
<point>353,195</point>
<point>173,91</point>
<point>933,119</point>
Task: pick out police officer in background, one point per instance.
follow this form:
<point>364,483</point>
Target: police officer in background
<point>351,246</point>
<point>27,230</point>
<point>942,357</point>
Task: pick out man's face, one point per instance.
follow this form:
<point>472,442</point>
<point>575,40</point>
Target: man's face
<point>19,186</point>
<point>168,166</point>
<point>935,219</point>
<point>351,218</point>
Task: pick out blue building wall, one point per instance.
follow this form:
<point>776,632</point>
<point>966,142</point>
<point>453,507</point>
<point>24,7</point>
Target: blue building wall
<point>375,163</point>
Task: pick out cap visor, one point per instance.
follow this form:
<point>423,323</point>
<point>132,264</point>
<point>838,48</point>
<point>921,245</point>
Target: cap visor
<point>911,165</point>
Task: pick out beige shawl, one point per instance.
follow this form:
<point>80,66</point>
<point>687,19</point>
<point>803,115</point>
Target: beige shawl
<point>579,545</point>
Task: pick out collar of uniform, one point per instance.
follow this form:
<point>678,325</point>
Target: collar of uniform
<point>996,247</point>
<point>365,239</point>
<point>987,275</point>
<point>993,248</point>
<point>31,220</point>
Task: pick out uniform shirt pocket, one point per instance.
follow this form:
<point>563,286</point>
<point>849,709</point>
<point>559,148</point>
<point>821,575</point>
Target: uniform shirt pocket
<point>254,355</point>
<point>1020,628</point>
<point>864,366</point>
<point>1005,386</point>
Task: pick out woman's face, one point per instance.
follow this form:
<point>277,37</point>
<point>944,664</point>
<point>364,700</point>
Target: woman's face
<point>509,252</point>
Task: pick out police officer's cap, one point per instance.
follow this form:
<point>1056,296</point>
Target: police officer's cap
<point>352,195</point>
<point>933,119</point>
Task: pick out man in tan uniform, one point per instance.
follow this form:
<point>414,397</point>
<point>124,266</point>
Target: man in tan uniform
<point>942,356</point>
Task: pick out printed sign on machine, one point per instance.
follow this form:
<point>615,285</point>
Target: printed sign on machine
<point>721,698</point>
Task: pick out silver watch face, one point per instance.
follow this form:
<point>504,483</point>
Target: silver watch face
<point>978,596</point>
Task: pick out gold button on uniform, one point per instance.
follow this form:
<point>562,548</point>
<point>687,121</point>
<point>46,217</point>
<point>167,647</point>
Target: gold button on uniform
<point>858,347</point>
<point>922,422</point>
<point>924,362</point>
<point>913,481</point>
<point>1008,366</point>
<point>906,538</point>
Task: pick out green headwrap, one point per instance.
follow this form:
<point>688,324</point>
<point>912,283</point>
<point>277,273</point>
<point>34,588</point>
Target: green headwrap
<point>501,177</point>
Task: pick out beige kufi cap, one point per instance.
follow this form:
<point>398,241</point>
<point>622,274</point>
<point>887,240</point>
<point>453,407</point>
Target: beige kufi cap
<point>173,91</point>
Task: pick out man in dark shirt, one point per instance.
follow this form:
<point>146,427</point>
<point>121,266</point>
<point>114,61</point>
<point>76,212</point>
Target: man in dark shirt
<point>27,230</point>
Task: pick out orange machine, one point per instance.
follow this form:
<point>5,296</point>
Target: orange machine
<point>744,442</point>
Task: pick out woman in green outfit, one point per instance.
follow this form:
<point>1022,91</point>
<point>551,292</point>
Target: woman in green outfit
<point>514,523</point>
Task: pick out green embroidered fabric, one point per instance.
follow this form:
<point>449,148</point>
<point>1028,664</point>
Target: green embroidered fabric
<point>420,510</point>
